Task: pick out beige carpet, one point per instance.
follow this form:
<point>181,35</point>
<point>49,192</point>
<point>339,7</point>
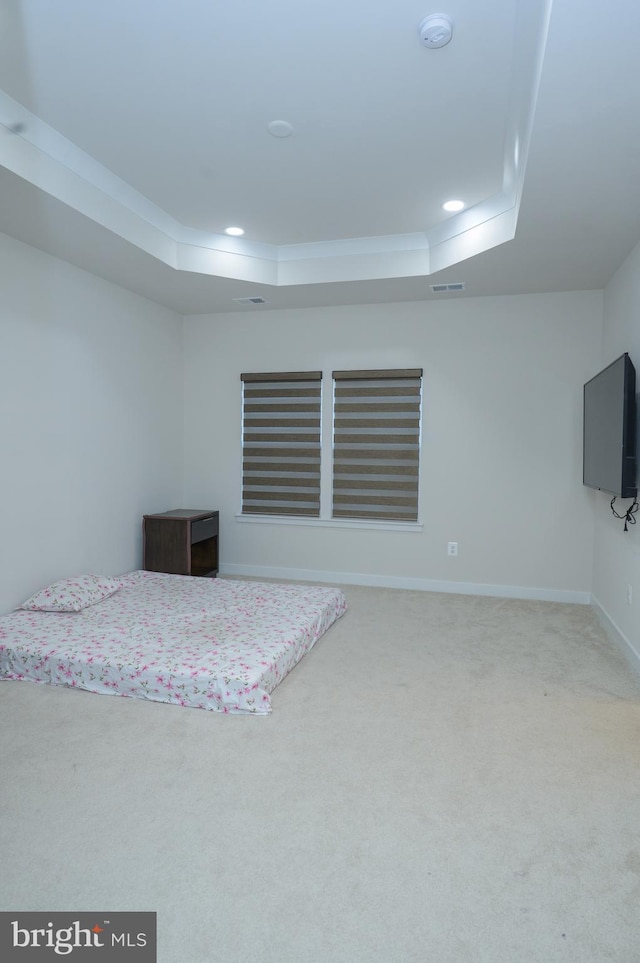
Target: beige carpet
<point>443,778</point>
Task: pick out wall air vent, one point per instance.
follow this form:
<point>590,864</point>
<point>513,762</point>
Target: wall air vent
<point>445,288</point>
<point>250,300</point>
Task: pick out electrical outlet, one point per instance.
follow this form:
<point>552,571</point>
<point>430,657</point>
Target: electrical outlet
<point>629,595</point>
<point>452,548</point>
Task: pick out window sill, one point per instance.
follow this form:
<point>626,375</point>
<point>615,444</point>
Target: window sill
<point>299,520</point>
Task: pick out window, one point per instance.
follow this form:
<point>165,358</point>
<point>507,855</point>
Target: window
<point>376,444</point>
<point>281,443</point>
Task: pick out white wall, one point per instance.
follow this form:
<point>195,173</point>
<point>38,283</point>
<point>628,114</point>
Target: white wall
<point>90,421</point>
<point>502,441</point>
<point>617,553</point>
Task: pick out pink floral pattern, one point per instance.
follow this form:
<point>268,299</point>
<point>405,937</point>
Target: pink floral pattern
<point>215,644</point>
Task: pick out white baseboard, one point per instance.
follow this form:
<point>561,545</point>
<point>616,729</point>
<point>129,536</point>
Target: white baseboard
<point>617,635</point>
<point>418,584</point>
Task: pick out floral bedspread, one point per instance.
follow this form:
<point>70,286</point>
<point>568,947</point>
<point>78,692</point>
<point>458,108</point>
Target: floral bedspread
<point>216,644</point>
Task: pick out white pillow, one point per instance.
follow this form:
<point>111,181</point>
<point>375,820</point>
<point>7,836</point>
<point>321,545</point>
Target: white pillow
<point>72,594</point>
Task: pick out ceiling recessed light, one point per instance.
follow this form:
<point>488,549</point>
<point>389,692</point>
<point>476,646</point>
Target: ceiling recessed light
<point>453,205</point>
<point>234,231</point>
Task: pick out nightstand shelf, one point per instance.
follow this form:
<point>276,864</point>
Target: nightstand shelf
<point>183,541</point>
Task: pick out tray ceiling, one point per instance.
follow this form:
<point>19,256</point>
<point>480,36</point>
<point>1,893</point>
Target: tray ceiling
<point>139,132</point>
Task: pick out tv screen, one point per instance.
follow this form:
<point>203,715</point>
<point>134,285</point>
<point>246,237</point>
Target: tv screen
<point>609,452</point>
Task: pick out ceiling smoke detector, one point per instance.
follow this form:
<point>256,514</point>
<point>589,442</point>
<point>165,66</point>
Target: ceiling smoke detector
<point>435,30</point>
<point>280,128</point>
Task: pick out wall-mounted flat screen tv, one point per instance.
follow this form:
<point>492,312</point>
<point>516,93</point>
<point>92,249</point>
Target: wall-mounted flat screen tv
<point>609,430</point>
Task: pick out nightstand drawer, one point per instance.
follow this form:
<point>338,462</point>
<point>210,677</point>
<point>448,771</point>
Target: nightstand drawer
<point>205,528</point>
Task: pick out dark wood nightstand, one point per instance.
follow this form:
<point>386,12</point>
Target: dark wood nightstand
<point>183,541</point>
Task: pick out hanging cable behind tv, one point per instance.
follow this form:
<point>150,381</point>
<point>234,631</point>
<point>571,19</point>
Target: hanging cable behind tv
<point>630,514</point>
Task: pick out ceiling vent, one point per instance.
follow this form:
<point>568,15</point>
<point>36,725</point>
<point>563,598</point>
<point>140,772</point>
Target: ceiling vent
<point>250,300</point>
<point>446,288</point>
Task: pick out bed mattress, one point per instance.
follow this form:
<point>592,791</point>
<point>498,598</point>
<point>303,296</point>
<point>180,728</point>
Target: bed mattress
<point>216,644</point>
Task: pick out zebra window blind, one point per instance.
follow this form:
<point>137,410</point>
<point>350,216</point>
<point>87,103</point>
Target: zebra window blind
<point>376,443</point>
<point>281,421</point>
